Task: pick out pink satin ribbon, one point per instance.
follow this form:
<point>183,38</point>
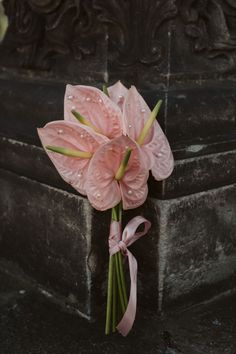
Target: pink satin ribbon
<point>120,242</point>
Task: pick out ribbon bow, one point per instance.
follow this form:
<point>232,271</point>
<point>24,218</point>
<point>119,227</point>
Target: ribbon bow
<point>118,242</point>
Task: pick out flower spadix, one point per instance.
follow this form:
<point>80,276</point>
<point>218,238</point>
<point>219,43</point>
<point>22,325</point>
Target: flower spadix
<point>149,123</point>
<point>117,173</point>
<point>70,148</point>
<point>84,121</point>
<point>70,152</point>
<point>124,163</point>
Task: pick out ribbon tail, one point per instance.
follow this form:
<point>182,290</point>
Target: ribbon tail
<point>127,320</point>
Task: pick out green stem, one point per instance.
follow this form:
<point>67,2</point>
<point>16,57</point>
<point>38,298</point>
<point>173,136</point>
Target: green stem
<point>109,295</point>
<point>122,278</point>
<point>119,284</point>
<point>114,301</point>
<point>116,281</point>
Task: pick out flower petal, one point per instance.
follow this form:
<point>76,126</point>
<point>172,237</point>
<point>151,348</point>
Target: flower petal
<point>156,150</point>
<point>133,185</point>
<point>163,161</point>
<point>135,113</point>
<point>117,93</point>
<point>70,135</point>
<point>96,107</point>
<point>133,198</point>
<point>103,190</point>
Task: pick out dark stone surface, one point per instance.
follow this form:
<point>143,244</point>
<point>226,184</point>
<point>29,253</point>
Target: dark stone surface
<point>181,51</point>
<point>197,245</point>
<point>191,174</point>
<point>31,323</point>
<point>47,232</point>
<point>58,239</point>
<point>61,242</point>
<point>38,102</point>
<point>27,105</point>
<point>187,57</point>
<point>195,114</point>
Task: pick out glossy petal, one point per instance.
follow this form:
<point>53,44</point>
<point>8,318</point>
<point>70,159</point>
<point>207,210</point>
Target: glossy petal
<point>103,190</point>
<point>96,107</point>
<point>117,93</point>
<point>70,135</point>
<point>135,113</point>
<point>162,157</point>
<point>156,150</point>
<point>133,185</point>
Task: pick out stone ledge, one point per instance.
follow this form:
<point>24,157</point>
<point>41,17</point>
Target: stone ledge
<point>190,175</point>
<point>60,241</point>
<point>197,245</point>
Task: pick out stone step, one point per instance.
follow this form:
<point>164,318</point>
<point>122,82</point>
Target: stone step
<point>61,242</point>
<point>31,324</point>
<point>192,173</point>
<point>40,100</point>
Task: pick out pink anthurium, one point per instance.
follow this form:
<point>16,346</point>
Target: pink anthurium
<point>96,108</point>
<point>104,188</point>
<point>117,93</point>
<point>70,148</point>
<point>155,147</point>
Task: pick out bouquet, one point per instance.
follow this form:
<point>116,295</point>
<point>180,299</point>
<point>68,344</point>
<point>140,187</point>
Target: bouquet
<point>105,147</point>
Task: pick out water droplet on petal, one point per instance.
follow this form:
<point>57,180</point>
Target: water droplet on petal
<point>130,126</point>
<point>80,174</point>
<point>60,131</point>
<point>159,154</point>
<point>120,97</point>
<point>98,195</point>
<point>82,136</point>
<point>73,107</point>
<point>130,192</point>
<point>88,99</point>
<point>70,97</point>
<point>100,100</point>
<point>143,110</point>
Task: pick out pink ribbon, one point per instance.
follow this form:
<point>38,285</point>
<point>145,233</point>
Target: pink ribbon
<point>118,242</point>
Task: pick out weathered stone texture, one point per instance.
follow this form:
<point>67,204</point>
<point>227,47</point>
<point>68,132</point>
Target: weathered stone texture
<point>197,244</point>
<point>48,232</point>
<point>61,242</point>
<point>181,51</point>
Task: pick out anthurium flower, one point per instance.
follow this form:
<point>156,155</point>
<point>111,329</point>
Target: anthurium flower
<point>155,147</point>
<point>104,188</point>
<point>117,93</point>
<point>95,107</point>
<point>70,148</point>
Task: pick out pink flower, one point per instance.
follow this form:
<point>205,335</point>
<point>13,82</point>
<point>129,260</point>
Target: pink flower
<point>78,140</point>
<point>155,148</point>
<point>88,152</point>
<point>94,106</point>
<point>104,191</point>
<point>117,93</point>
